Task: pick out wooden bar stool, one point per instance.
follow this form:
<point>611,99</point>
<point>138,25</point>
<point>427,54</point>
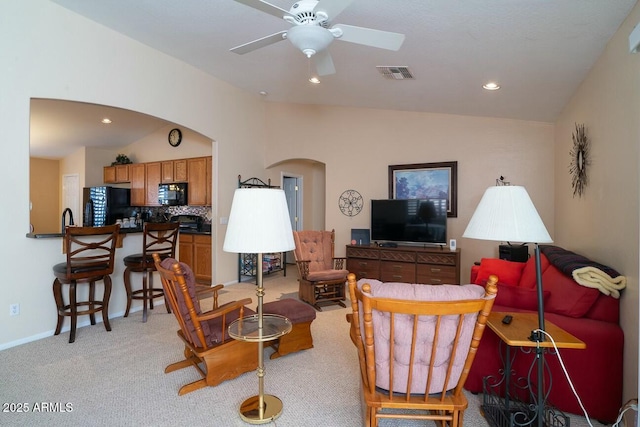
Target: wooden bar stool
<point>90,255</point>
<point>157,238</point>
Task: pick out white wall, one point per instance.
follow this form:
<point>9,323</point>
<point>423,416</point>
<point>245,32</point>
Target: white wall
<point>49,52</point>
<point>603,224</point>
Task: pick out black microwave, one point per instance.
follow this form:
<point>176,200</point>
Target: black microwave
<point>172,194</point>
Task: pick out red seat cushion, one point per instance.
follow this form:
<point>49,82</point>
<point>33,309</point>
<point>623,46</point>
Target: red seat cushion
<point>516,297</point>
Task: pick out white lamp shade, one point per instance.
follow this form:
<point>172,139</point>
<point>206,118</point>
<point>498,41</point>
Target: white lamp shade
<point>259,222</point>
<point>506,213</point>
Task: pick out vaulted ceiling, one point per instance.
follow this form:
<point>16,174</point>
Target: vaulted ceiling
<point>537,50</point>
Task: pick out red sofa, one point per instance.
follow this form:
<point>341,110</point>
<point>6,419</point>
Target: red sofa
<point>586,313</point>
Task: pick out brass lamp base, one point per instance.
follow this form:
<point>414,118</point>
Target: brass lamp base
<point>250,409</point>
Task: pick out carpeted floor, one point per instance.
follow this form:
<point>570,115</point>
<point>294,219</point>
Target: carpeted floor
<point>117,378</point>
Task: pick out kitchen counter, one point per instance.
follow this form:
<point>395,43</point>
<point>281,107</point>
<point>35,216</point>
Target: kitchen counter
<point>205,231</point>
<point>52,235</point>
<point>191,231</point>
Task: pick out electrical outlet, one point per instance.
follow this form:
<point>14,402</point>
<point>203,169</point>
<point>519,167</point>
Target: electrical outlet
<point>14,309</point>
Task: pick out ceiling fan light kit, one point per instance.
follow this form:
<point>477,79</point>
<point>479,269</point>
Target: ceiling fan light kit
<point>310,39</point>
<point>311,32</point>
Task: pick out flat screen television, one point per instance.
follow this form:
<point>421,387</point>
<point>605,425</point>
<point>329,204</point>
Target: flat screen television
<point>417,221</point>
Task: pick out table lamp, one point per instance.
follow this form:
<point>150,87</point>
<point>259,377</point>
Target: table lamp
<point>506,213</point>
<point>259,223</point>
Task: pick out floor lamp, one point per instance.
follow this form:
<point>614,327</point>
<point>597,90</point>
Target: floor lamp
<point>259,223</point>
<point>506,213</point>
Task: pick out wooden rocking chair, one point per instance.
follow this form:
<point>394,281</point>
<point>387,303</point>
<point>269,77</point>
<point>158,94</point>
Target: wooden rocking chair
<point>207,345</point>
<point>416,344</point>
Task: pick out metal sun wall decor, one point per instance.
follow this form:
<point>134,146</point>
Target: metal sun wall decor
<point>580,159</point>
<point>350,203</point>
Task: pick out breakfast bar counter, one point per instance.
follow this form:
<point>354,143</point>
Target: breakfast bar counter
<point>50,247</point>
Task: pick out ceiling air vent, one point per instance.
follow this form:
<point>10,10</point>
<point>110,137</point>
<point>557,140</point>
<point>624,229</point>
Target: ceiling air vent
<point>395,73</point>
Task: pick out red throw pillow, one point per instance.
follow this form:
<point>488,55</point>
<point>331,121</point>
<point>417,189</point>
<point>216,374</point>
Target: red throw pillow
<point>515,297</point>
<point>567,296</point>
<point>528,279</point>
<point>508,272</point>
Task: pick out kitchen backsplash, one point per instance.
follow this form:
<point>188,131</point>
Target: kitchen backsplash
<point>163,213</point>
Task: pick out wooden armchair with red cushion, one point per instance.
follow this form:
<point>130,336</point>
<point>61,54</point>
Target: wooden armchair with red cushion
<point>207,344</point>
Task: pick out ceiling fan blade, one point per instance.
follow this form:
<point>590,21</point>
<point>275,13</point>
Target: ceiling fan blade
<point>332,7</point>
<point>324,63</point>
<point>265,7</point>
<point>257,44</point>
<point>370,37</point>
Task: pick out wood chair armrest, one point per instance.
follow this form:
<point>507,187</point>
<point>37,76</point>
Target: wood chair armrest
<point>204,291</point>
<point>224,309</point>
<point>303,266</point>
<point>338,263</point>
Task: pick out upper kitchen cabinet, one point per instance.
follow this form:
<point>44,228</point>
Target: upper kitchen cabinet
<point>174,171</point>
<point>153,172</point>
<point>209,180</point>
<point>117,174</point>
<point>199,169</point>
<point>145,178</point>
<point>138,184</point>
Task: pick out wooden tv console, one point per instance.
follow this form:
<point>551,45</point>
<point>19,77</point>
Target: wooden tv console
<point>409,264</point>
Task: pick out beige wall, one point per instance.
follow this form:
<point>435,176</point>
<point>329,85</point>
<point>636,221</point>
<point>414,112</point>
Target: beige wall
<point>603,224</point>
<point>44,192</point>
<point>155,147</point>
<point>355,145</point>
<point>358,145</point>
<point>313,191</point>
<point>66,65</point>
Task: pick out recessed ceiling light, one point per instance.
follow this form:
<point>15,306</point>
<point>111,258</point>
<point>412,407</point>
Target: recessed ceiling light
<point>491,86</point>
<point>314,80</point>
<point>264,93</point>
<point>106,120</point>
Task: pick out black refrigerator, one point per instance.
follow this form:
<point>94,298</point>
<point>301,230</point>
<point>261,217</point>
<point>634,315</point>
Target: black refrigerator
<point>104,205</point>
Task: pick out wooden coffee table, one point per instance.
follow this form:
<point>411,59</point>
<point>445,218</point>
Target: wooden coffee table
<point>507,411</point>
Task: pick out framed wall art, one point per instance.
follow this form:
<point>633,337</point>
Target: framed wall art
<point>426,181</point>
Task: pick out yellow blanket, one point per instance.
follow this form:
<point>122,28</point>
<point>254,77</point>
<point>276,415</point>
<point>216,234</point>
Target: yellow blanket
<point>593,277</point>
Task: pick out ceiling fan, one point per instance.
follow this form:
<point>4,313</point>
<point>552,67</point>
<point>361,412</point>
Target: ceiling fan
<point>312,33</point>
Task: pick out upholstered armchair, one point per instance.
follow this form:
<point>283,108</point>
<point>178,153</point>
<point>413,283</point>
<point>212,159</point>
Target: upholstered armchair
<point>322,276</point>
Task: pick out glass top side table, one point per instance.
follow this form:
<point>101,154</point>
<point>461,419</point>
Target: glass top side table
<point>246,328</point>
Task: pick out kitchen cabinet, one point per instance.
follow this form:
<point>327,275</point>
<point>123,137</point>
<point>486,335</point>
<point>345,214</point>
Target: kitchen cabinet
<point>138,184</point>
<point>209,201</point>
<point>197,171</point>
<point>116,174</point>
<point>153,172</point>
<point>195,251</point>
<point>174,171</point>
<point>185,248</point>
<point>145,178</point>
